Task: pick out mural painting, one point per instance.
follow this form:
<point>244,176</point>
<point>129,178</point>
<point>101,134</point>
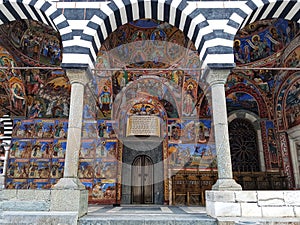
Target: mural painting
<point>39,99</point>
<point>292,104</point>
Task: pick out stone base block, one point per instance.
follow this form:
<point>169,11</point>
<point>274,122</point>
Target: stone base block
<point>39,218</point>
<point>253,204</point>
<point>25,206</point>
<point>69,200</point>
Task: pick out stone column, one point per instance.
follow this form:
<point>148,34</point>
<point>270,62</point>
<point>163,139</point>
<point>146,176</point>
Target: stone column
<point>294,141</point>
<point>78,79</point>
<point>5,162</point>
<point>216,79</point>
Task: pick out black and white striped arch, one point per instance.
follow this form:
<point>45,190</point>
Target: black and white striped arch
<point>267,9</point>
<point>7,123</point>
<point>202,29</point>
<point>176,12</point>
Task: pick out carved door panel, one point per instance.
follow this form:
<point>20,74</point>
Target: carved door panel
<point>142,180</point>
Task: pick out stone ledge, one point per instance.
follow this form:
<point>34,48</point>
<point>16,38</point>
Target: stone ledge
<point>40,218</point>
<point>268,221</point>
<point>25,206</point>
<point>278,211</point>
<point>45,200</point>
<point>259,204</point>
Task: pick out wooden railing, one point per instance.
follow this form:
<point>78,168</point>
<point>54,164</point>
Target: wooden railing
<point>188,187</point>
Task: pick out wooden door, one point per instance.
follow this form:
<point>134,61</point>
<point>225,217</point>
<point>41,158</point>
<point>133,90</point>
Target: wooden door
<point>142,180</point>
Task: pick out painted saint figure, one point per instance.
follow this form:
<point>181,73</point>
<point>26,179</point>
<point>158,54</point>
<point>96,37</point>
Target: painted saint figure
<point>105,101</point>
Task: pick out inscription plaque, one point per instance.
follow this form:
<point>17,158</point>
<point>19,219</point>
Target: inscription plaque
<point>143,125</point>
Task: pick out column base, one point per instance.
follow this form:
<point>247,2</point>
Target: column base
<point>67,200</point>
<point>226,185</point>
<point>2,182</point>
<point>69,183</point>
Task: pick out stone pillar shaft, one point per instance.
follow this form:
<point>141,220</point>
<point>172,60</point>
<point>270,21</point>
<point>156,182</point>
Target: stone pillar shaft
<point>217,79</point>
<point>74,130</point>
<point>221,130</point>
<point>78,79</point>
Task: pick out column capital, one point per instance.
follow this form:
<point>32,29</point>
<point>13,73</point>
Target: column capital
<point>78,76</point>
<point>294,133</point>
<point>217,76</point>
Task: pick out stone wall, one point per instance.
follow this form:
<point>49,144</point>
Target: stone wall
<point>254,205</point>
<point>42,206</point>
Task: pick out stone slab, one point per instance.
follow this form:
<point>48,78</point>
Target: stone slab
<point>270,198</point>
<point>69,200</point>
<point>39,218</point>
<point>278,211</point>
<point>25,206</point>
<point>246,196</point>
<point>251,210</point>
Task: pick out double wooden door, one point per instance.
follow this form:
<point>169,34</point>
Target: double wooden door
<point>142,180</point>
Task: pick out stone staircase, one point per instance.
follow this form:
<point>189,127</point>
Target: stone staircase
<point>31,207</point>
<point>150,215</point>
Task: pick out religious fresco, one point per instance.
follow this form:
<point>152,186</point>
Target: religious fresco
<point>174,95</point>
<point>42,98</point>
<point>37,153</point>
<point>98,168</point>
<point>272,144</point>
<point>262,39</point>
<point>240,100</point>
<point>270,94</point>
<point>192,156</point>
<point>12,90</point>
<point>32,93</point>
<point>292,104</point>
<point>34,40</point>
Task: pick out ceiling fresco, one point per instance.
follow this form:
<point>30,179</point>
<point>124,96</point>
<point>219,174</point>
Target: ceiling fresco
<point>36,92</point>
<point>264,45</point>
<point>149,44</point>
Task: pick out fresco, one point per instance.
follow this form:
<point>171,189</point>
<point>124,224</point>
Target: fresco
<point>266,92</point>
<point>98,168</point>
<point>272,144</point>
<point>292,104</point>
<point>37,153</point>
<point>34,93</point>
<point>40,100</point>
<point>240,100</point>
<point>192,156</point>
<point>262,39</point>
<point>11,85</point>
<point>34,40</point>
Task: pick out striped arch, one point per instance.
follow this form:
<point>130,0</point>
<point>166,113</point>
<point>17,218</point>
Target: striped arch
<point>38,10</point>
<point>8,126</point>
<point>176,12</point>
<point>268,9</point>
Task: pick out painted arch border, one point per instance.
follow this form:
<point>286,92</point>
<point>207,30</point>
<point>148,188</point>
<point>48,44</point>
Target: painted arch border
<point>177,13</point>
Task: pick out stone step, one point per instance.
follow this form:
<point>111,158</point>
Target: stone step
<point>147,220</point>
<point>18,205</point>
<point>39,218</point>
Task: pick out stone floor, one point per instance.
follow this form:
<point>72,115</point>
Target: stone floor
<point>146,215</point>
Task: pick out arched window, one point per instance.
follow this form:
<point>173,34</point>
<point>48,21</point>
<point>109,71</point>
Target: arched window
<point>243,146</point>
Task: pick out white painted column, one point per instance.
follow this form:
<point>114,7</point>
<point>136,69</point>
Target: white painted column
<point>78,79</point>
<point>5,162</point>
<point>216,80</point>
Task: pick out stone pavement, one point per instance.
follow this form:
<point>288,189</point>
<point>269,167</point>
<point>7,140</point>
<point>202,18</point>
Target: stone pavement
<point>146,215</point>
